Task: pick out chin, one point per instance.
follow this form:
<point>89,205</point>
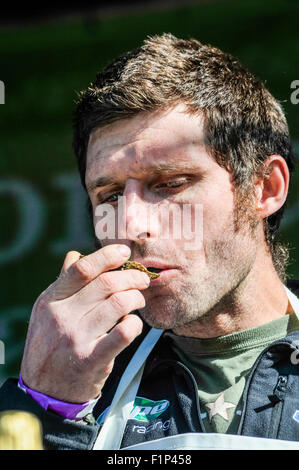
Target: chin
<point>155,321</point>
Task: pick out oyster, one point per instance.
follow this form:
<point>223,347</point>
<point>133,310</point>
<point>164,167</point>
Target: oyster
<point>134,265</point>
<point>140,267</point>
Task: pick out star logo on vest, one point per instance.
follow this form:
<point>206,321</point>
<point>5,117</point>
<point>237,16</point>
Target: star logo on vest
<point>219,407</point>
<point>296,416</point>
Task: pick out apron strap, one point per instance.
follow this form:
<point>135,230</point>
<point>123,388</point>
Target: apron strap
<point>293,299</point>
<point>111,434</point>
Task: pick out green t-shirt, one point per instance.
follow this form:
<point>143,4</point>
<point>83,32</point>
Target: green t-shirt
<point>221,365</point>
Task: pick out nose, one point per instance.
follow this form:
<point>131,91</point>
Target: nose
<point>137,219</point>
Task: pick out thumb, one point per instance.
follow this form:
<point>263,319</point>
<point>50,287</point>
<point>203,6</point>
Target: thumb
<point>70,258</point>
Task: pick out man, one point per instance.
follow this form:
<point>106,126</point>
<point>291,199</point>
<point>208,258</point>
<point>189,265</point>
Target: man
<point>171,125</point>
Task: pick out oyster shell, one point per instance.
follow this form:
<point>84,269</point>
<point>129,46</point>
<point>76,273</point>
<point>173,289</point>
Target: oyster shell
<point>140,267</point>
<point>134,265</point>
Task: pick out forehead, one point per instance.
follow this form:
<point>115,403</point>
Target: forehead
<point>163,139</point>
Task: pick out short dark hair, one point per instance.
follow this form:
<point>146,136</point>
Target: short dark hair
<point>244,123</point>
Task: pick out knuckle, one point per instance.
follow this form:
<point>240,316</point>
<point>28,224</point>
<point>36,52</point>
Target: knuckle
<point>118,301</point>
<point>105,256</point>
<point>78,350</point>
<point>108,369</point>
<point>126,301</point>
<point>105,281</point>
<point>41,303</point>
<point>83,269</point>
<point>124,334</point>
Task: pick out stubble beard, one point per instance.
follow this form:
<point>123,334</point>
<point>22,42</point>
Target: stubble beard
<point>200,296</point>
<point>204,293</point>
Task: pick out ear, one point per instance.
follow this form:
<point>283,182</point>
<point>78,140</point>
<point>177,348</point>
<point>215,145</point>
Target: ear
<point>272,188</point>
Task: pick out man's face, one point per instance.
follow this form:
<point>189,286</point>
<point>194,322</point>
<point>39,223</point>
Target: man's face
<point>154,162</point>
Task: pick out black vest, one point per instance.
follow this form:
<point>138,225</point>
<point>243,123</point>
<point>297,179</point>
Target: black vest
<point>171,403</point>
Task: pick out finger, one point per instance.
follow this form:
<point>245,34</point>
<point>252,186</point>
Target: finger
<point>82,271</point>
<point>109,283</point>
<point>105,316</point>
<point>113,343</point>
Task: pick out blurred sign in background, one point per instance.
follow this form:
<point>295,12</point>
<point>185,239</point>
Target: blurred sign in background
<point>49,56</point>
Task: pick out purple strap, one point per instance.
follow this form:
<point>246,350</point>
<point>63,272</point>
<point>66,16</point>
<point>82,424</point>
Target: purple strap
<point>74,411</point>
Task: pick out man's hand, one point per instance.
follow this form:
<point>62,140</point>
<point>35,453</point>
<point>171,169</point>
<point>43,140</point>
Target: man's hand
<point>80,323</point>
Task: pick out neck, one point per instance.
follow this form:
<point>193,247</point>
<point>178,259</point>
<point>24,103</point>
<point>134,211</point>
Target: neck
<point>258,299</point>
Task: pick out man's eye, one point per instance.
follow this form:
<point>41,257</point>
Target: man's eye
<point>172,184</point>
<point>112,198</point>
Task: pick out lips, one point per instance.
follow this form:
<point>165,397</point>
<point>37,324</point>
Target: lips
<point>135,265</point>
<point>165,273</point>
<point>156,270</point>
<point>155,265</point>
<point>164,270</point>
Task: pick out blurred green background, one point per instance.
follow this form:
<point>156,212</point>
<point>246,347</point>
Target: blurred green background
<point>43,66</point>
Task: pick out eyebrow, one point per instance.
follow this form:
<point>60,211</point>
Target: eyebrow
<point>155,171</point>
<point>101,181</point>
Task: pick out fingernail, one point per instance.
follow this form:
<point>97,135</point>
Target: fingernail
<point>125,250</point>
<point>146,279</point>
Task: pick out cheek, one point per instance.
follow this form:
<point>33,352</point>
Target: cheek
<point>217,200</point>
<point>218,209</point>
<point>215,223</point>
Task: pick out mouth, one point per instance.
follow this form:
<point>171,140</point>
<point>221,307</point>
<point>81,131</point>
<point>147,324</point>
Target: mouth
<point>150,267</point>
<point>140,267</point>
<point>160,272</point>
<point>155,264</point>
